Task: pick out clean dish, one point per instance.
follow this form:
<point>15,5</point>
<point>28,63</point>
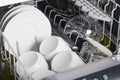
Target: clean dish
<point>28,46</point>
<point>8,14</point>
<point>99,46</point>
<point>3,18</point>
<point>66,60</point>
<point>53,45</point>
<point>27,25</point>
<point>22,35</point>
<point>32,62</point>
<point>40,75</point>
<point>14,11</point>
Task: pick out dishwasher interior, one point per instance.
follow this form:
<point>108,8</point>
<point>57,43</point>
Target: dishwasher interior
<point>74,21</point>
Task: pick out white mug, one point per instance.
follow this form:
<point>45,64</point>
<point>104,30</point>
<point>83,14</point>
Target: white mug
<point>53,45</point>
<point>23,47</point>
<point>66,60</point>
<point>31,61</point>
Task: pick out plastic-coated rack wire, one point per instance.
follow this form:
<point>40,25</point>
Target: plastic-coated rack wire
<point>11,59</point>
<point>110,8</point>
<point>115,7</point>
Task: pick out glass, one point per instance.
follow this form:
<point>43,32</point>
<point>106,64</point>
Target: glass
<point>82,24</point>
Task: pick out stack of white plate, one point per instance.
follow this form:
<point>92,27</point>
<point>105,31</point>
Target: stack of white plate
<point>25,26</point>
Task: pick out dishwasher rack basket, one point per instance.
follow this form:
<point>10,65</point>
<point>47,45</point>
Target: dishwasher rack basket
<point>110,30</point>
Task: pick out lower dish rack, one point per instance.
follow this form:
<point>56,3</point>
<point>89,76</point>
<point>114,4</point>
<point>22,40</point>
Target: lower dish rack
<point>72,74</point>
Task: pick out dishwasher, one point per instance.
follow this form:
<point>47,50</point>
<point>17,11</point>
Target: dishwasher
<point>74,20</point>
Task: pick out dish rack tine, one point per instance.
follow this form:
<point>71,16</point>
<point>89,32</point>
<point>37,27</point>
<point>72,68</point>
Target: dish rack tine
<point>17,47</point>
<point>62,20</point>
<point>103,32</point>
<point>85,43</point>
<point>36,41</point>
<point>3,57</point>
<point>6,57</point>
<point>46,8</point>
<point>72,32</point>
<point>55,18</point>
<point>54,10</point>
<point>63,15</point>
<point>10,62</point>
<point>105,8</point>
<point>79,36</point>
<point>65,28</point>
<point>98,2</point>
<point>49,17</point>
<point>77,39</point>
<point>2,49</point>
<point>54,22</point>
<point>111,25</point>
<point>118,36</point>
<point>12,70</point>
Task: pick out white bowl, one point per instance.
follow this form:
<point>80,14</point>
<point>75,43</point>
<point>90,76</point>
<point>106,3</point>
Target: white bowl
<point>66,60</point>
<point>32,61</point>
<point>40,75</point>
<point>53,45</point>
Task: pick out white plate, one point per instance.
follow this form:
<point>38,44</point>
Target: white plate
<point>24,26</point>
<point>4,17</point>
<point>12,13</point>
<point>8,14</point>
<point>99,46</point>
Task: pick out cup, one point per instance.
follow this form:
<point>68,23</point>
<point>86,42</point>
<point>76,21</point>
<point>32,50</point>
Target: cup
<point>66,60</point>
<point>23,47</point>
<point>40,75</point>
<point>53,45</point>
<point>31,61</point>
